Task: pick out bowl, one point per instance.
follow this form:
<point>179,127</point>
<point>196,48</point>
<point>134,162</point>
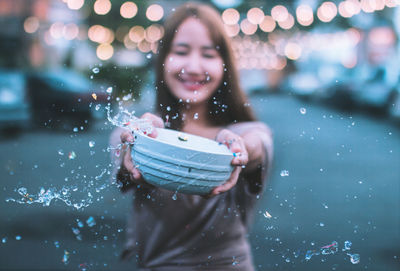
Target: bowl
<point>182,162</point>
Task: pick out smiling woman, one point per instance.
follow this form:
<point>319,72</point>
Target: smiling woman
<point>204,225</point>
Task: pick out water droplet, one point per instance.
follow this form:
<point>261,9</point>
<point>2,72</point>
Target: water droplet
<point>174,196</point>
<point>71,155</point>
<point>4,240</point>
<point>196,116</point>
<point>148,56</point>
<point>98,106</point>
<point>56,244</point>
<point>321,224</point>
<point>79,223</point>
<point>354,258</point>
<point>60,152</point>
<point>65,257</point>
<point>347,245</point>
<point>284,173</point>
<point>109,90</point>
<point>168,108</point>
<point>303,110</point>
<point>309,254</point>
<point>75,129</point>
<point>95,70</point>
<point>91,143</point>
<point>18,237</point>
<point>267,215</point>
<point>287,260</point>
<point>90,221</point>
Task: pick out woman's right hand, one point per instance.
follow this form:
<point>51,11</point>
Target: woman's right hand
<point>127,137</point>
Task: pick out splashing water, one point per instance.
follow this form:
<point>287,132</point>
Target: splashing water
<point>90,221</point>
<point>65,258</point>
<point>333,248</point>
<point>284,173</point>
<point>347,245</point>
<point>94,184</point>
<point>354,258</point>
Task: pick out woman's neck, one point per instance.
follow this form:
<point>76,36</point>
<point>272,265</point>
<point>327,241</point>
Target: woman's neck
<point>197,121</point>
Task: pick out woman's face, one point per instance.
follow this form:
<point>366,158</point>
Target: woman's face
<point>193,69</point>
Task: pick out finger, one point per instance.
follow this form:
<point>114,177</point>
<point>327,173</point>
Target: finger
<point>155,121</point>
<point>126,137</point>
<point>136,174</point>
<point>240,153</point>
<point>228,184</point>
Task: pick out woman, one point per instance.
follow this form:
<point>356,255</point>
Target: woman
<point>198,93</point>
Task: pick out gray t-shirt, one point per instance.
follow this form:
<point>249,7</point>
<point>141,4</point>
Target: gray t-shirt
<point>174,231</point>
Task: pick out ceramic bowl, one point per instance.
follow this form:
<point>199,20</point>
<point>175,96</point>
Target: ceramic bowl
<point>182,162</point>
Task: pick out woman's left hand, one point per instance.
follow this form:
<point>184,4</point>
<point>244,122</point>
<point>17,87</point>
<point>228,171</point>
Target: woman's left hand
<point>236,145</point>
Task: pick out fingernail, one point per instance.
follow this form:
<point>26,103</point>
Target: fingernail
<point>236,154</point>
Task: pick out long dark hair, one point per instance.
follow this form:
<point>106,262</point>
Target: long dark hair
<point>228,104</point>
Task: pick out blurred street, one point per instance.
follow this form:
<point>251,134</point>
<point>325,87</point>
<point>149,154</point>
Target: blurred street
<point>336,177</point>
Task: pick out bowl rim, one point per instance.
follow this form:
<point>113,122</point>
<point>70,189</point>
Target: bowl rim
<point>209,151</point>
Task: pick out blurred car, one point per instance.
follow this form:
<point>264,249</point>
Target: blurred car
<point>394,104</point>
<point>64,98</point>
<point>14,106</point>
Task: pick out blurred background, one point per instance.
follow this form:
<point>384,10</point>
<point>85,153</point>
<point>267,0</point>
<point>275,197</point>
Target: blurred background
<point>323,74</point>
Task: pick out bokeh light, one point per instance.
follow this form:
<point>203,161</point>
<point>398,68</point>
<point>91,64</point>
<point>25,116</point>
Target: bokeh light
<point>104,51</point>
<point>327,11</point>
<point>304,14</point>
<point>56,30</point>
<point>75,4</point>
<point>154,12</point>
<point>279,13</point>
<point>292,51</point>
<point>129,44</point>
<point>153,33</point>
<point>100,34</point>
<point>247,27</point>
<point>230,16</point>
<point>268,24</point>
<point>128,10</point>
<point>70,31</point>
<point>255,15</point>
<point>392,3</point>
<point>288,23</point>
<point>102,7</point>
<point>137,33</point>
<point>31,24</point>
<point>144,46</point>
<point>232,30</point>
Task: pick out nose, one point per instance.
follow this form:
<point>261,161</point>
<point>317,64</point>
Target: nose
<point>194,64</point>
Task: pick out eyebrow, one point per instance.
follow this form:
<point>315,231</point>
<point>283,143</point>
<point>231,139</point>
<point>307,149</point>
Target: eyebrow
<point>181,44</point>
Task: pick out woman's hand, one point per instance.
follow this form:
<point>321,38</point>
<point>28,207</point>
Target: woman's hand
<point>236,145</point>
<point>127,137</point>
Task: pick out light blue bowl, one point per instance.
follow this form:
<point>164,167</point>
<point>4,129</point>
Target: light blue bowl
<point>182,162</point>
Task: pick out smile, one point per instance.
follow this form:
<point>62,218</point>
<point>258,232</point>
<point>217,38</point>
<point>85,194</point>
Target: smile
<point>191,84</point>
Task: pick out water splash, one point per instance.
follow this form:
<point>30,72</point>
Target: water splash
<point>354,258</point>
<point>284,173</point>
<point>333,248</point>
<point>65,258</point>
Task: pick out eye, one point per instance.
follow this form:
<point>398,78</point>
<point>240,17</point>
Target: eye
<point>208,55</point>
<point>180,52</point>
